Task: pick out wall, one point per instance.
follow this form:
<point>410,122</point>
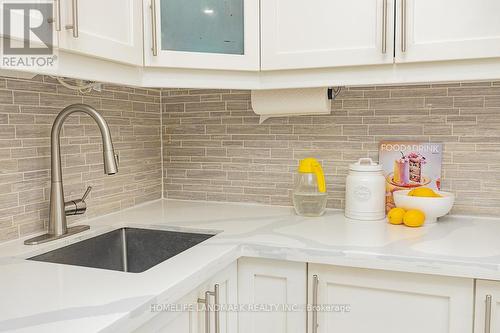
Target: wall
<point>27,110</point>
<point>216,150</point>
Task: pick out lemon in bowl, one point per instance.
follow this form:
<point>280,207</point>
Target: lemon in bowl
<point>424,192</point>
<point>433,206</point>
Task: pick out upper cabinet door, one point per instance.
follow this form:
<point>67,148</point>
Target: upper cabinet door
<point>202,34</point>
<point>110,29</point>
<point>326,33</point>
<point>429,30</point>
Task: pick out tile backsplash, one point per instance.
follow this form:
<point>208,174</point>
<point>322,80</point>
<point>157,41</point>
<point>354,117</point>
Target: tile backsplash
<point>215,148</point>
<point>27,110</point>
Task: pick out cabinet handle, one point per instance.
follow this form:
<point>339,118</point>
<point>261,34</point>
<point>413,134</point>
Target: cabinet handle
<point>315,304</point>
<point>154,47</point>
<point>206,301</point>
<point>217,308</point>
<point>403,26</point>
<point>487,315</point>
<point>57,15</point>
<point>207,310</point>
<point>74,14</point>
<point>384,27</point>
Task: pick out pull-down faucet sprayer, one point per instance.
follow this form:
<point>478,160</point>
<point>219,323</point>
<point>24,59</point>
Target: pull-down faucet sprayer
<point>58,208</point>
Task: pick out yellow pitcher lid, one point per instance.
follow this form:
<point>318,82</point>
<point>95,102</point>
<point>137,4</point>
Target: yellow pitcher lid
<point>311,165</point>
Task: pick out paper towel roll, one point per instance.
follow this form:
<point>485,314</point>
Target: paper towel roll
<point>290,102</point>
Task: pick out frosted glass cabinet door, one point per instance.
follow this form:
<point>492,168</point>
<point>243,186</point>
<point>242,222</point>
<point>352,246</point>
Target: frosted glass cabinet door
<point>205,34</point>
<point>211,26</point>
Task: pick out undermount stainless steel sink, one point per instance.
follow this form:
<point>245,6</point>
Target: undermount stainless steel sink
<point>127,249</point>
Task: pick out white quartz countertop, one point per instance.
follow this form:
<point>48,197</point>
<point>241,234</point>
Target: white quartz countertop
<point>47,297</point>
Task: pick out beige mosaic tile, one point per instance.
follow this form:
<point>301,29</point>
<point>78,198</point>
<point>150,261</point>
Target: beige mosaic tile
<point>27,110</point>
<point>219,140</point>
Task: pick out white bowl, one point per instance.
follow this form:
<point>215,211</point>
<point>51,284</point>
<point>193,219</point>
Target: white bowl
<point>432,207</point>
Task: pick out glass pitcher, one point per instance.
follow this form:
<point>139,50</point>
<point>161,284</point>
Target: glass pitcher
<point>309,194</point>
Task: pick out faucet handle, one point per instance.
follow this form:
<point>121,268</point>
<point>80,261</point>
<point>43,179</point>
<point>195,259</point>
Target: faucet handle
<point>78,206</point>
<point>87,192</point>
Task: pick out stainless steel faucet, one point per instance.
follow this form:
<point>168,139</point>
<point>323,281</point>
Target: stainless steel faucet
<point>58,208</point>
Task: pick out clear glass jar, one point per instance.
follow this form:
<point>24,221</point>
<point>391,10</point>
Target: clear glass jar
<point>307,199</point>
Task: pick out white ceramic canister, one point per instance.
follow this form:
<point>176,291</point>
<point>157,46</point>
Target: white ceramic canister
<point>365,191</point>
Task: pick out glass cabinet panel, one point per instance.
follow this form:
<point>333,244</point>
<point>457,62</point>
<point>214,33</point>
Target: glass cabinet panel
<point>210,26</point>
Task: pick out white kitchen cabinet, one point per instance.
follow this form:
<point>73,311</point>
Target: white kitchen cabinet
<point>202,34</point>
<point>272,283</point>
<point>326,33</point>
<point>175,321</point>
<point>428,30</point>
<point>487,309</point>
<point>110,29</point>
<point>194,321</point>
<point>271,44</point>
<point>389,302</point>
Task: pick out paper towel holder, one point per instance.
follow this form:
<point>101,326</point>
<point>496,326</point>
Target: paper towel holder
<point>269,103</point>
<point>333,92</point>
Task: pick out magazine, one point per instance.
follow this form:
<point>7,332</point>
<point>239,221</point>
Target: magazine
<point>408,165</point>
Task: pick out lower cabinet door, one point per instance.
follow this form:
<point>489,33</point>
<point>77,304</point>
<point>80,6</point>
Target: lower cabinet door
<point>277,292</point>
<point>222,293</point>
<point>362,300</point>
<point>175,320</point>
<point>487,316</point>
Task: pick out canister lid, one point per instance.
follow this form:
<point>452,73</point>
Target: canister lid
<point>365,164</point>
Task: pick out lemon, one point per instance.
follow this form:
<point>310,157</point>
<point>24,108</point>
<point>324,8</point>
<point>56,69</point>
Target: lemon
<point>395,216</point>
<point>414,218</point>
<point>423,192</point>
